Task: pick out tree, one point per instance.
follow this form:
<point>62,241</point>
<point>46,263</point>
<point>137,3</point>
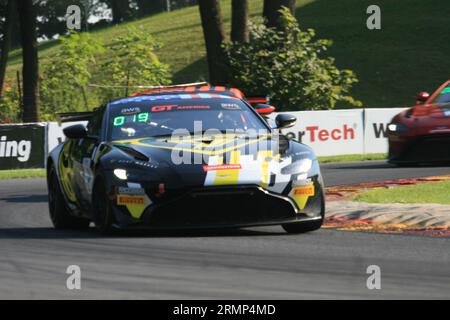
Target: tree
<point>134,64</point>
<point>30,69</point>
<point>271,11</point>
<point>214,35</point>
<point>120,10</point>
<point>147,7</point>
<point>64,84</point>
<point>6,41</point>
<point>291,66</point>
<point>239,27</point>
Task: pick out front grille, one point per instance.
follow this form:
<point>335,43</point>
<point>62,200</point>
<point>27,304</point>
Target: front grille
<point>221,206</point>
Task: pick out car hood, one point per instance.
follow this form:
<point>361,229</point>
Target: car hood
<point>200,150</point>
<point>431,111</point>
<point>426,119</point>
<point>219,160</point>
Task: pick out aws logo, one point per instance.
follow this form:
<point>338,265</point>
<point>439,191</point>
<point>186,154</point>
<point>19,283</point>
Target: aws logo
<point>15,149</point>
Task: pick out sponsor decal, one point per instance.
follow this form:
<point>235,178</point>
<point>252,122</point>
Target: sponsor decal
<point>131,110</point>
<point>222,167</point>
<point>304,191</point>
<point>133,197</point>
<point>131,191</point>
<point>230,106</point>
<point>226,174</point>
<point>176,108</point>
<point>302,194</point>
<point>262,168</point>
<point>126,200</point>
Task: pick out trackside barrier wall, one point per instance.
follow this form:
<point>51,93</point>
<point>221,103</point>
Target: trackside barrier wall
<point>23,146</point>
<point>329,133</point>
<point>375,128</point>
<point>341,132</point>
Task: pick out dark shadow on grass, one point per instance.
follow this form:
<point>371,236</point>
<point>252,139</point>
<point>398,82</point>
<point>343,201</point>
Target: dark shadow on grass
<point>196,71</point>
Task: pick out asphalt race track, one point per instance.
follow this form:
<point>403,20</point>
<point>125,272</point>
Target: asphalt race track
<point>375,171</point>
<point>261,263</point>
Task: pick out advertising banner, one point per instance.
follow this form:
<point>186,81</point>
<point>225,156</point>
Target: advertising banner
<point>23,146</point>
<point>329,133</point>
<point>376,125</point>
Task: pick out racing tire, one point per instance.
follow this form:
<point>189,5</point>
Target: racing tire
<point>308,226</point>
<point>101,205</point>
<point>59,214</point>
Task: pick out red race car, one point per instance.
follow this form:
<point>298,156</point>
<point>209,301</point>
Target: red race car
<point>421,134</point>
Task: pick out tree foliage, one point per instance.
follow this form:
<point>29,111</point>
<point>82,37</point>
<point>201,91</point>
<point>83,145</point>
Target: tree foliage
<point>80,62</point>
<point>10,110</point>
<point>134,64</point>
<point>289,65</point>
<point>65,80</point>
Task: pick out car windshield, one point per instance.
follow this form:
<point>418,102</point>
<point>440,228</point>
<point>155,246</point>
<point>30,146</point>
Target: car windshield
<point>444,96</point>
<point>156,116</point>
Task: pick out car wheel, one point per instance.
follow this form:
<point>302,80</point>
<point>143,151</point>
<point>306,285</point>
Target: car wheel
<point>59,214</point>
<point>303,227</point>
<point>101,204</point>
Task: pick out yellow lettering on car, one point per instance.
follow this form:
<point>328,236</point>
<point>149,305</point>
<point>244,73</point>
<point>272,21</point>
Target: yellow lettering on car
<point>229,176</point>
<point>135,204</point>
<point>302,194</point>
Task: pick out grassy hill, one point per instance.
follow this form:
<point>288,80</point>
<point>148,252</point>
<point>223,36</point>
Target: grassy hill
<point>408,55</point>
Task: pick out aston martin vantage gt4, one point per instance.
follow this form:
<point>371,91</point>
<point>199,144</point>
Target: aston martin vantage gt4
<point>197,158</point>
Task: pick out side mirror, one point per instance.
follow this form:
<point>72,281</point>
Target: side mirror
<point>264,109</point>
<point>284,121</point>
<point>422,97</point>
<point>77,131</point>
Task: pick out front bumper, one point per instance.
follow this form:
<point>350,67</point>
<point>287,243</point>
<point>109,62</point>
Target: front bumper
<point>425,149</point>
<point>224,206</point>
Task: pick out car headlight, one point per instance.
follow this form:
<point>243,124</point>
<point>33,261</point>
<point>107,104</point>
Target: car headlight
<point>121,174</point>
<point>397,127</point>
<point>300,166</point>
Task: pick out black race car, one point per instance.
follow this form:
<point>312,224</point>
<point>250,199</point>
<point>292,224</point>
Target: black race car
<point>183,157</point>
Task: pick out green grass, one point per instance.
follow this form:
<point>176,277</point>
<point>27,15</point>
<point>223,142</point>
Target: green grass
<point>179,31</point>
<point>407,55</point>
<point>433,192</point>
<point>21,174</point>
<point>353,158</point>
